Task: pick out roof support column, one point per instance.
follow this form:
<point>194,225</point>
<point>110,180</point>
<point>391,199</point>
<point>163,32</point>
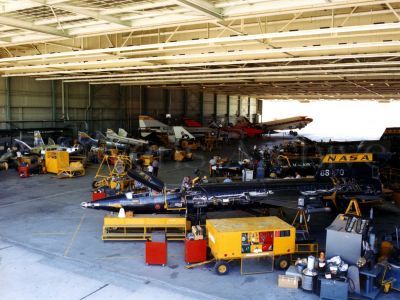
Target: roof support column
<point>201,104</point>
<point>89,110</point>
<point>248,107</point>
<point>228,108</point>
<point>215,106</point>
<point>167,101</point>
<point>54,102</point>
<point>185,102</point>
<point>239,111</point>
<point>143,100</point>
<point>122,115</point>
<point>7,103</point>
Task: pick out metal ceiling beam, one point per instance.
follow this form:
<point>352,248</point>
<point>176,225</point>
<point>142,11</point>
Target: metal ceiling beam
<point>253,79</point>
<point>5,39</point>
<point>203,7</point>
<point>291,7</point>
<point>344,16</point>
<point>206,56</point>
<point>85,12</point>
<point>295,73</point>
<point>227,70</point>
<point>213,41</point>
<point>203,64</point>
<point>393,10</point>
<point>18,23</point>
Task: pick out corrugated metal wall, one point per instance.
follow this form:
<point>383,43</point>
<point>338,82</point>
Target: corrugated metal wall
<point>193,104</point>
<point>233,108</point>
<point>111,106</point>
<point>244,110</point>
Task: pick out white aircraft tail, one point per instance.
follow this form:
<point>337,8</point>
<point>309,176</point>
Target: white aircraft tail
<point>37,139</point>
<point>149,122</point>
<point>110,133</point>
<point>122,132</point>
<point>22,144</point>
<point>181,132</point>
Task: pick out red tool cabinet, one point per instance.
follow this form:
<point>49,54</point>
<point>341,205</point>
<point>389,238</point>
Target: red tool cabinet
<point>157,250</point>
<point>195,251</point>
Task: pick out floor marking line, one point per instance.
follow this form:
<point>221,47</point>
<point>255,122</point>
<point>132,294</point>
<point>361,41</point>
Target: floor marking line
<point>49,233</point>
<point>74,235</point>
<point>95,291</point>
<point>115,257</point>
<point>44,197</point>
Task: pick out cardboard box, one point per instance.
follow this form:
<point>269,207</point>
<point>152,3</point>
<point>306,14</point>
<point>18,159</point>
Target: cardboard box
<point>290,282</point>
<point>129,214</point>
<point>197,232</point>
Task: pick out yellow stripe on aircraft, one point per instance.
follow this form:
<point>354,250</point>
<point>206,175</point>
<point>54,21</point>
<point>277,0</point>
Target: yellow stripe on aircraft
<point>348,158</point>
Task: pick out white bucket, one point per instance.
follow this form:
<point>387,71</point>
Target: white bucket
<point>311,262</point>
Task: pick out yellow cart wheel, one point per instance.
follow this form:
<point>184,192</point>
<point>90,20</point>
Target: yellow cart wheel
<point>221,267</point>
<point>282,263</point>
<point>387,286</point>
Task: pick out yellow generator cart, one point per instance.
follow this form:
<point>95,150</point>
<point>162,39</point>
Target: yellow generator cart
<point>56,160</point>
<point>259,243</point>
<point>190,144</point>
<point>182,155</point>
<point>75,169</point>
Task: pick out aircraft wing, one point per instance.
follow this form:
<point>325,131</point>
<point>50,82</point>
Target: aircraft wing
<point>134,141</point>
<point>146,122</point>
<point>130,141</point>
<point>122,138</point>
<point>288,199</point>
<point>287,123</point>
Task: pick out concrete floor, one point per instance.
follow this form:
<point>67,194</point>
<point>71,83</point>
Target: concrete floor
<point>50,248</point>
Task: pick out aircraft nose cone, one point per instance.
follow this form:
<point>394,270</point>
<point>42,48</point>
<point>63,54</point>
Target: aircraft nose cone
<point>85,204</point>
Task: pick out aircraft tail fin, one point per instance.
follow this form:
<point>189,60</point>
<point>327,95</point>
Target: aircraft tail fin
<point>100,136</point>
<point>149,122</point>
<point>38,140</point>
<point>179,132</point>
<point>84,138</point>
<point>122,132</point>
<point>243,121</point>
<point>23,145</point>
<point>50,142</point>
<point>109,134</point>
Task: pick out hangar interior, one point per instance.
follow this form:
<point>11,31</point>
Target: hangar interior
<point>94,65</point>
